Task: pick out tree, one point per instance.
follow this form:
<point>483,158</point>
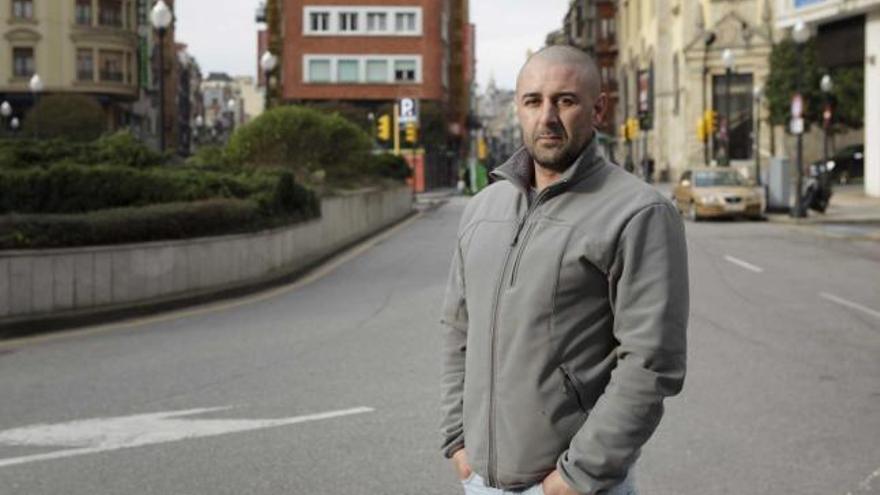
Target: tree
<point>847,96</point>
<point>68,116</point>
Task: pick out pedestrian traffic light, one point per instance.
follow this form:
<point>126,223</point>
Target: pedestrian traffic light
<point>412,132</point>
<point>383,130</point>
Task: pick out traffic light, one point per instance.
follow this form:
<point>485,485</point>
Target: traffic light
<point>482,150</point>
<point>412,132</point>
<point>711,118</point>
<point>632,128</point>
<point>701,129</point>
<point>383,129</point>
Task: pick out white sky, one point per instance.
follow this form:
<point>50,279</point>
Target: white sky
<point>221,34</point>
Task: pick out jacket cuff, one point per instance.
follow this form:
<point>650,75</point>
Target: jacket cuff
<point>453,446</point>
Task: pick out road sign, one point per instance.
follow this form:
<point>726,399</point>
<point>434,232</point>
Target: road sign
<point>796,126</point>
<point>409,110</point>
<point>797,106</point>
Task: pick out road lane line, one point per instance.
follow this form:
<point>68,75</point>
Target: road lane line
<point>849,304</point>
<point>92,436</point>
<point>744,264</point>
<point>314,275</point>
<point>865,486</point>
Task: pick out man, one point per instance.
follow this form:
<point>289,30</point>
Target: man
<point>566,307</point>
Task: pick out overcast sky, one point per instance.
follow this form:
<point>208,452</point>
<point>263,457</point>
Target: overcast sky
<point>221,34</point>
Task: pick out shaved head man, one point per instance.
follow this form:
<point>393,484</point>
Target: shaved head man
<point>566,308</point>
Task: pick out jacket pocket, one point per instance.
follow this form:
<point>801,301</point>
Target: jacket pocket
<point>573,387</point>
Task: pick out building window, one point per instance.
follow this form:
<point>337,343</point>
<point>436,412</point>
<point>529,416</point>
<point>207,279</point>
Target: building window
<point>110,13</point>
<point>23,62</point>
<point>347,71</point>
<point>377,71</point>
<point>377,21</point>
<point>405,22</point>
<point>84,12</point>
<point>404,70</point>
<point>85,65</point>
<point>112,66</point>
<point>23,9</point>
<point>738,126</point>
<point>348,21</point>
<point>319,71</point>
<point>319,21</point>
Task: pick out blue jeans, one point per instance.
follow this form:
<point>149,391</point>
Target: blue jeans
<point>475,485</point>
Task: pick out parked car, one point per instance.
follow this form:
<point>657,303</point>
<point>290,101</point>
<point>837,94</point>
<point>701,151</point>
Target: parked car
<point>717,192</point>
<point>846,164</point>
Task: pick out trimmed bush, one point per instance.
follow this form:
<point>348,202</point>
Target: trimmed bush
<point>389,166</point>
<point>68,188</point>
<point>141,224</point>
<point>120,148</point>
<point>304,141</point>
<point>72,116</point>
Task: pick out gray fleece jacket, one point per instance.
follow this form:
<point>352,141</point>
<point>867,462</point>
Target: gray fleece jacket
<point>565,325</point>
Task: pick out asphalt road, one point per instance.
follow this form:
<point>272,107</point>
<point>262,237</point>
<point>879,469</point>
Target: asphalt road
<point>331,386</point>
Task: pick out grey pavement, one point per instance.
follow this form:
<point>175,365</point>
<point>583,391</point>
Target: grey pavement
<point>782,395</point>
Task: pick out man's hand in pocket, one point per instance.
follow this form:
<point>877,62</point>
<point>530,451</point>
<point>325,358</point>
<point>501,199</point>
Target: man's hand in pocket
<point>460,463</point>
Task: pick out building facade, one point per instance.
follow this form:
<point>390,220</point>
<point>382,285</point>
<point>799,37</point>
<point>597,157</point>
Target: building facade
<point>591,26</point>
<point>671,71</point>
<point>847,33</point>
<point>75,46</point>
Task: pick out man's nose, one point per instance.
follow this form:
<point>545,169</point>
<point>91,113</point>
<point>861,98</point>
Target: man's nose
<point>549,114</point>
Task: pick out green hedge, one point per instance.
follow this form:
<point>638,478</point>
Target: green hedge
<point>68,188</point>
<point>151,223</point>
<point>121,149</point>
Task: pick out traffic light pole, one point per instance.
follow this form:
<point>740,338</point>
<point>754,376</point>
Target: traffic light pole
<point>395,129</point>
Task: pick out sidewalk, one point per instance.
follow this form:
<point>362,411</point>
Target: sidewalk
<point>849,205</point>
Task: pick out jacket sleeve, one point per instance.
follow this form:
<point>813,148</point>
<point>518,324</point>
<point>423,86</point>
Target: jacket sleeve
<point>648,284</point>
<point>455,323</point>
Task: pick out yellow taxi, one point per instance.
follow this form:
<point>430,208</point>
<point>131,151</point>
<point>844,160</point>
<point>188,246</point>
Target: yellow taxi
<point>717,192</point>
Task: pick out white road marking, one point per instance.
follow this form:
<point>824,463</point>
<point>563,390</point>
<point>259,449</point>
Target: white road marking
<point>744,264</point>
<point>849,304</point>
<point>91,436</point>
<point>865,486</point>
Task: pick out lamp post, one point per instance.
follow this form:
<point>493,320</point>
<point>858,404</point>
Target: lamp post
<point>5,112</point>
<point>800,33</point>
<point>14,124</point>
<point>758,96</point>
<point>728,59</point>
<point>268,62</point>
<point>231,107</point>
<point>826,85</point>
<point>36,86</point>
<point>161,17</point>
<point>198,123</point>
<point>708,39</point>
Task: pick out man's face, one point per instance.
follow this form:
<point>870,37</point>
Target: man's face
<point>556,111</point>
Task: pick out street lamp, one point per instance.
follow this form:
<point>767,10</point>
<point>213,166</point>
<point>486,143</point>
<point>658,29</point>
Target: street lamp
<point>268,62</point>
<point>728,59</point>
<point>14,124</point>
<point>161,18</point>
<point>36,86</point>
<point>231,107</point>
<point>708,40</point>
<point>758,96</point>
<point>826,85</point>
<point>5,112</point>
<point>800,33</point>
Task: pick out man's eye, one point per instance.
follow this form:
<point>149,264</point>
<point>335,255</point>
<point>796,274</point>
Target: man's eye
<point>566,102</point>
<point>531,102</point>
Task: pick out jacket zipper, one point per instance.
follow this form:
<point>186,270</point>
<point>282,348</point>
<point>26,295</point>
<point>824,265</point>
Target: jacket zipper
<point>519,253</point>
<point>493,461</point>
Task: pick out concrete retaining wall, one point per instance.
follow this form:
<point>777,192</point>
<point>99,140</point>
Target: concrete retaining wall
<point>42,283</point>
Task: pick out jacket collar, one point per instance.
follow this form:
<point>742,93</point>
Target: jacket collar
<point>519,169</point>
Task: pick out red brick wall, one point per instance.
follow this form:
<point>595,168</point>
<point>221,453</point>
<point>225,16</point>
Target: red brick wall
<point>429,46</point>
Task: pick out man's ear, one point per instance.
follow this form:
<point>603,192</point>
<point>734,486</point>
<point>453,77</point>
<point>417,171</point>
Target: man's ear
<point>600,108</point>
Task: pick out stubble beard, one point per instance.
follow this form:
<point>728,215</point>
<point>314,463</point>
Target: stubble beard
<point>557,158</point>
